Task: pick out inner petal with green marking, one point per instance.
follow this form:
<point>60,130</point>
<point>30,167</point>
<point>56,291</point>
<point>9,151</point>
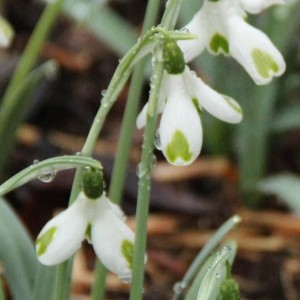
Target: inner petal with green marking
<point>264,63</point>
<point>127,251</point>
<point>45,240</point>
<point>178,148</point>
<point>219,44</point>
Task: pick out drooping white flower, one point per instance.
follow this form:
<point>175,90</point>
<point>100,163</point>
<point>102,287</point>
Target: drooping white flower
<point>221,28</point>
<point>256,6</point>
<point>6,33</point>
<point>181,100</point>
<point>98,220</point>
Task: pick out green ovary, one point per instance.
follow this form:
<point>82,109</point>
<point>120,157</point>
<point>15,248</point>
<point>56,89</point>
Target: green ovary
<point>218,44</point>
<point>45,240</point>
<point>127,251</point>
<point>178,148</point>
<point>264,62</point>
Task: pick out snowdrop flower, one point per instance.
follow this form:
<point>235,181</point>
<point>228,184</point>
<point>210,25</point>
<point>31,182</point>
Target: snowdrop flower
<point>6,33</point>
<point>181,100</point>
<point>95,217</point>
<point>221,28</point>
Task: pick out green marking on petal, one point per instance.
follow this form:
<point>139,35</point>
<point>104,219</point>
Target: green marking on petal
<point>88,232</point>
<point>127,251</point>
<point>45,240</point>
<point>178,148</point>
<point>233,104</point>
<point>219,44</point>
<point>196,104</point>
<point>264,63</point>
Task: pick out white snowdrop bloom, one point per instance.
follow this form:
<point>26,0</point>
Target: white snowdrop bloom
<point>98,220</point>
<point>221,28</point>
<point>182,98</point>
<point>256,6</point>
<point>6,33</point>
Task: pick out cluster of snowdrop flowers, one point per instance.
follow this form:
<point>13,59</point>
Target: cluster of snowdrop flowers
<point>6,33</point>
<point>219,26</point>
<point>94,217</point>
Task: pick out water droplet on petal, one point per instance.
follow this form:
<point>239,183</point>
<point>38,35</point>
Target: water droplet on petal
<point>125,281</point>
<point>103,92</point>
<point>35,162</point>
<point>157,142</point>
<point>186,30</point>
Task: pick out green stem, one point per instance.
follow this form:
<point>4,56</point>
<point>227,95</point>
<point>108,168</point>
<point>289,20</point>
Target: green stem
<point>122,155</point>
<point>63,280</point>
<point>29,57</point>
<point>144,174</point>
<point>145,166</point>
<point>204,253</point>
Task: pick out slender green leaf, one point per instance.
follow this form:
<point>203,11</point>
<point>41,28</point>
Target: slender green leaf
<point>207,283</point>
<point>44,283</point>
<point>204,253</point>
<point>14,108</point>
<point>17,254</point>
<point>287,119</point>
<point>106,24</point>
<point>286,187</point>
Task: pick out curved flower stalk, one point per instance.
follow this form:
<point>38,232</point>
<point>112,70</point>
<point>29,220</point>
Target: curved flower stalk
<point>181,101</point>
<point>6,33</point>
<point>93,217</point>
<point>221,28</point>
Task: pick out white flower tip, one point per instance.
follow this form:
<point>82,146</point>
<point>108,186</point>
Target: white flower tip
<point>141,118</point>
<point>267,66</point>
<point>234,113</point>
<point>178,151</point>
<point>62,236</point>
<point>6,33</point>
<point>256,6</point>
<point>42,243</point>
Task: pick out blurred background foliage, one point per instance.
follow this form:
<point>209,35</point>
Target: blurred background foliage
<point>265,147</point>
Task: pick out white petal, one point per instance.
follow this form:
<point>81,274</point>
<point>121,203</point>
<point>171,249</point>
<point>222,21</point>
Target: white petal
<point>109,237</point>
<point>6,33</point>
<point>192,48</point>
<point>254,51</point>
<point>256,6</point>
<point>142,117</point>
<point>220,106</point>
<point>63,235</point>
<point>180,126</point>
<point>117,211</point>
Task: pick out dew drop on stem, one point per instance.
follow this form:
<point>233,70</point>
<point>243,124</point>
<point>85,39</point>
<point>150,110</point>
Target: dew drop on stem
<point>46,175</point>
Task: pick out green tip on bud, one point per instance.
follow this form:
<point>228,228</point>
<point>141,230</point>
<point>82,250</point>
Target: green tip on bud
<point>92,183</point>
<point>173,57</point>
